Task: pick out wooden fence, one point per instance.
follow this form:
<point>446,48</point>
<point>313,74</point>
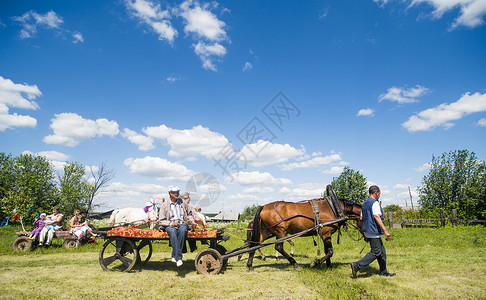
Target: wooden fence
<point>431,223</point>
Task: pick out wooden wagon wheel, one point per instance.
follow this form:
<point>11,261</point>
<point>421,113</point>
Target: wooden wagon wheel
<point>118,254</point>
<point>144,252</point>
<point>208,261</point>
<point>71,243</point>
<point>22,243</point>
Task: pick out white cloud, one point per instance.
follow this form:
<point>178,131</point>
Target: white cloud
<point>315,162</point>
<point>270,153</point>
<point>256,178</point>
<point>443,114</point>
<point>422,168</point>
<point>31,20</point>
<point>57,159</point>
<point>402,95</point>
<point>303,191</point>
<point>481,122</point>
<point>202,22</point>
<point>71,129</point>
<point>151,14</point>
<point>190,142</point>
<point>207,52</point>
<point>206,29</point>
<point>247,67</point>
<point>158,167</point>
<point>173,79</point>
<point>144,143</point>
<point>401,186</point>
<point>258,190</point>
<point>366,112</point>
<point>17,96</point>
<point>335,170</point>
<point>471,11</point>
<point>78,38</point>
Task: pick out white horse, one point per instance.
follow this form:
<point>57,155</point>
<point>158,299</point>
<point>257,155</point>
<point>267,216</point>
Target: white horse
<point>134,216</point>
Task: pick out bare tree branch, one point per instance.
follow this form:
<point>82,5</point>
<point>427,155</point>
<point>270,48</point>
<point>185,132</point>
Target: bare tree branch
<point>102,177</point>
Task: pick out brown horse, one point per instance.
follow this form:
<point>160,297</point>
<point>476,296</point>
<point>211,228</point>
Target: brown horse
<point>248,239</point>
<point>285,218</point>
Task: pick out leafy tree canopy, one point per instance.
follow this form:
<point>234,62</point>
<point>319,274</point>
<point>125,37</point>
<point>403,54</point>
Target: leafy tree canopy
<point>350,185</point>
<point>456,180</point>
<point>28,185</point>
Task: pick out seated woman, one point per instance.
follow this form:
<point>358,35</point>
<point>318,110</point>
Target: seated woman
<point>53,222</point>
<point>199,218</point>
<point>79,227</point>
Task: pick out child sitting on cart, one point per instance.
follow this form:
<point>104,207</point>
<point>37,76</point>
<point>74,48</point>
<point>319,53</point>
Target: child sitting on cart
<point>78,226</point>
<point>40,223</point>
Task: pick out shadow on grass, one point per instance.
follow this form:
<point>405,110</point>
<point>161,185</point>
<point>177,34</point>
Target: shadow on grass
<point>167,265</point>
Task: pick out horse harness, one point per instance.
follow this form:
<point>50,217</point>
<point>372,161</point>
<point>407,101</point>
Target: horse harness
<point>314,203</point>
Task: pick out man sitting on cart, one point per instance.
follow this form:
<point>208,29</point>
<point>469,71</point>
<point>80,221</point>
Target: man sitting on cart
<point>174,217</point>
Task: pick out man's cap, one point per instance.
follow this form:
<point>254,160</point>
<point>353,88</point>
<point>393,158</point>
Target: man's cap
<point>174,188</point>
<point>185,195</point>
<point>43,214</point>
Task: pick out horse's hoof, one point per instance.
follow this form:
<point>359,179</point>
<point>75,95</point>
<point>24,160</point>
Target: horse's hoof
<point>264,258</point>
<point>312,264</point>
<point>277,259</point>
<point>297,266</point>
<point>250,269</point>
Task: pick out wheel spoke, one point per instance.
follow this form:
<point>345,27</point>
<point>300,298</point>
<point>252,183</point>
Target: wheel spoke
<point>109,260</point>
<point>126,261</point>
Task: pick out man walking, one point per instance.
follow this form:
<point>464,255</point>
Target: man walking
<point>373,228</point>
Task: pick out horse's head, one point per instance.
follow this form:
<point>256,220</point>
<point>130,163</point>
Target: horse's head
<point>352,211</point>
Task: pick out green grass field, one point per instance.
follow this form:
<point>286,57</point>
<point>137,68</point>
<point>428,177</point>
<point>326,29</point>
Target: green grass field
<point>446,263</point>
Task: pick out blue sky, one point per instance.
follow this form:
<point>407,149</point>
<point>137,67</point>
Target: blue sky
<point>243,102</point>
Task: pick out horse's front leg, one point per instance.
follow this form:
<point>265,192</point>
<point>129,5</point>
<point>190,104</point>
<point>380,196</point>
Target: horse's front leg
<point>328,253</point>
<point>279,247</point>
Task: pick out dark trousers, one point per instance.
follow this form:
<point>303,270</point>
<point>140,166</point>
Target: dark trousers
<point>177,237</point>
<point>377,252</point>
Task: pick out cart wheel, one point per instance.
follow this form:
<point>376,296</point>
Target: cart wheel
<point>71,243</point>
<point>208,261</point>
<point>22,243</point>
<point>144,252</point>
<point>118,254</point>
<point>222,251</point>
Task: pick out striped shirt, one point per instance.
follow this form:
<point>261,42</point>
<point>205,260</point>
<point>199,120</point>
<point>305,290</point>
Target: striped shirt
<point>176,211</point>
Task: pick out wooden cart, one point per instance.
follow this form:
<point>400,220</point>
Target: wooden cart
<point>126,247</point>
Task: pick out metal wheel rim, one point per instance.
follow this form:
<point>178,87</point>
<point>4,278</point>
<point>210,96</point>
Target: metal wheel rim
<point>144,257</point>
<point>208,262</point>
<point>112,260</point>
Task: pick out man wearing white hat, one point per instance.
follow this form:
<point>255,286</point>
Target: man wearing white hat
<point>173,218</point>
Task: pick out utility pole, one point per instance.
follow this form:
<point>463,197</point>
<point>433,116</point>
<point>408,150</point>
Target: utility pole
<point>410,193</point>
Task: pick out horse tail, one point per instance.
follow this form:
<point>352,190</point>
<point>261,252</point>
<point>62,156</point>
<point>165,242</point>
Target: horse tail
<point>255,232</point>
<point>112,217</point>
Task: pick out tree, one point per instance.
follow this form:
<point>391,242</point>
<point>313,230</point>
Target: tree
<point>7,175</point>
<point>456,180</point>
<point>350,185</point>
<point>74,189</point>
<point>35,179</point>
<point>249,212</point>
<point>101,177</point>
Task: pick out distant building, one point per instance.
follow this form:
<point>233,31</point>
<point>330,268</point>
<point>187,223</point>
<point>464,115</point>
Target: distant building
<point>226,216</point>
